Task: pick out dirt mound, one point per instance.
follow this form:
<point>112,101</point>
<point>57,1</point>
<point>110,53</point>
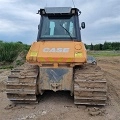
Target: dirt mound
<point>2,86</point>
<point>20,60</point>
<point>3,78</point>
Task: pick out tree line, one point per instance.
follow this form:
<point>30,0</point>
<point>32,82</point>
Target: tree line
<point>10,50</point>
<point>105,46</point>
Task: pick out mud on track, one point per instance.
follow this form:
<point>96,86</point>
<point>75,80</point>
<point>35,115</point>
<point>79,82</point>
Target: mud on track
<point>60,106</point>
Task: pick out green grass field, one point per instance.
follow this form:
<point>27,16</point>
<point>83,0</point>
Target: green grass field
<point>103,53</point>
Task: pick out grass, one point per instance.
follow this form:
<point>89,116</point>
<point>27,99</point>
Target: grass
<point>104,53</point>
<point>12,54</point>
<point>6,67</point>
<point>10,51</point>
<point>19,62</point>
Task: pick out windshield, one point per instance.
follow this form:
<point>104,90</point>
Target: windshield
<point>58,27</point>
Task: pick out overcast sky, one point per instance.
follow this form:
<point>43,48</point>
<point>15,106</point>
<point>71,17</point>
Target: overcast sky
<point>19,21</point>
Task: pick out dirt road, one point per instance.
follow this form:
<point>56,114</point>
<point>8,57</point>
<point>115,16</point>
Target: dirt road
<point>60,106</point>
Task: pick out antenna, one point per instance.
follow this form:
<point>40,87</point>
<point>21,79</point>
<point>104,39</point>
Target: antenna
<point>73,3</point>
<point>46,4</point>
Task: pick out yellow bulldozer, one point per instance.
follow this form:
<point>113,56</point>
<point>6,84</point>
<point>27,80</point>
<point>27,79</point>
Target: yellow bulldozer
<point>58,61</point>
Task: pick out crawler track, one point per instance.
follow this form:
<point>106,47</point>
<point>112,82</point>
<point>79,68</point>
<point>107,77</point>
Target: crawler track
<point>89,86</point>
<point>21,84</point>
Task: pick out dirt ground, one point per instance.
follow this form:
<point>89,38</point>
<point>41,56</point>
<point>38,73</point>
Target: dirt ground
<point>60,106</point>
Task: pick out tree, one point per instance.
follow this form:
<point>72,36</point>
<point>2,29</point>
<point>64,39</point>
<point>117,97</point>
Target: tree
<point>91,46</point>
<point>101,47</point>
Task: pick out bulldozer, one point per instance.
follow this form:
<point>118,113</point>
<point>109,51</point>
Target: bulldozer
<point>58,61</point>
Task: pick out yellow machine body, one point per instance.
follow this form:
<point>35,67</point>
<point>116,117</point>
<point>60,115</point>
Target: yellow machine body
<point>57,53</point>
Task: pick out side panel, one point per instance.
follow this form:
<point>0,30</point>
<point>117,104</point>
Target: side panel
<point>56,79</point>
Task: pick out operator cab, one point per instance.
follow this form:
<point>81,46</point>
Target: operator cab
<point>61,23</point>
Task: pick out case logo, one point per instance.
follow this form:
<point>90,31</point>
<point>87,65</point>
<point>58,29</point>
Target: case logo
<point>57,50</point>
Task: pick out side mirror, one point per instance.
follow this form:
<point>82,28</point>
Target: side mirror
<point>83,25</point>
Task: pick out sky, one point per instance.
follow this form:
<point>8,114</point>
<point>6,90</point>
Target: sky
<point>19,21</point>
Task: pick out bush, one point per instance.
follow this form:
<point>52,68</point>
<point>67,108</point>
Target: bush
<point>10,51</point>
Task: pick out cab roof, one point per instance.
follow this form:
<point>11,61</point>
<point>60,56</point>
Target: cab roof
<point>58,10</point>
